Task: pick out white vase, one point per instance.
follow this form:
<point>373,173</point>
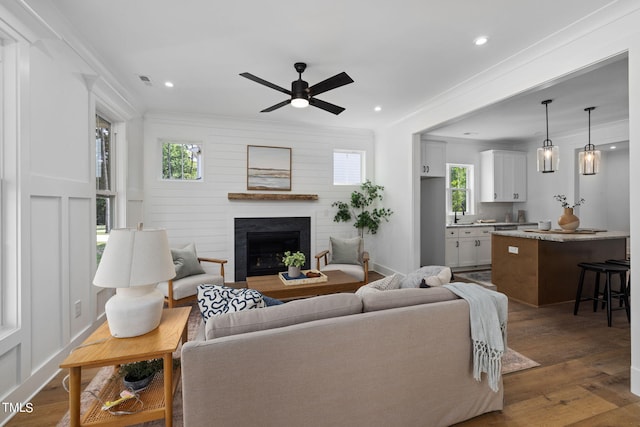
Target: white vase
<point>294,272</point>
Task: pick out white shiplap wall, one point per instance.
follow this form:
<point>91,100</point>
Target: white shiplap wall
<point>200,211</point>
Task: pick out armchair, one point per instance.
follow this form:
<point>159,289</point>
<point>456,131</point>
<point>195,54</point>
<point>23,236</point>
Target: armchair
<point>190,272</point>
<point>347,255</point>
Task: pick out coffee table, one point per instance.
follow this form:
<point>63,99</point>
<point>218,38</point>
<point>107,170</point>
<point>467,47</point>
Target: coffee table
<point>272,286</point>
<point>101,349</point>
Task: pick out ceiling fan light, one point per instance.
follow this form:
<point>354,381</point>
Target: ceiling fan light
<point>300,102</point>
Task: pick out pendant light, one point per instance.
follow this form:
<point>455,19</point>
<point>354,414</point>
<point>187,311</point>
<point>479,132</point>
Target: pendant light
<point>589,159</point>
<point>548,156</point>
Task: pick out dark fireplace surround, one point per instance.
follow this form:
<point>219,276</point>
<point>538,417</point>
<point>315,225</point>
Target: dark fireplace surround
<point>260,243</point>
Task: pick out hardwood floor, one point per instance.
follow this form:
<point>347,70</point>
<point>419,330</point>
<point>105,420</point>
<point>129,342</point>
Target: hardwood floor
<point>583,379</point>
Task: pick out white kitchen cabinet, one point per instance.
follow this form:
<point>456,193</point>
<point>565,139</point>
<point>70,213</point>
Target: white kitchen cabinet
<point>432,159</point>
<point>503,176</point>
<point>468,246</point>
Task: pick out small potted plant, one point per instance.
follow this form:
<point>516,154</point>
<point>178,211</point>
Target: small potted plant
<point>294,261</point>
<point>138,375</point>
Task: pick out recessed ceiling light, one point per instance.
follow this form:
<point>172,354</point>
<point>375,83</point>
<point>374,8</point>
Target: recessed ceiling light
<point>377,108</point>
<point>479,41</point>
<point>168,84</point>
<point>613,147</point>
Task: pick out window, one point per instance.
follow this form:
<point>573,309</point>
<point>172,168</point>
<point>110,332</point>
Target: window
<point>348,167</point>
<point>105,194</point>
<point>460,188</point>
<point>181,161</point>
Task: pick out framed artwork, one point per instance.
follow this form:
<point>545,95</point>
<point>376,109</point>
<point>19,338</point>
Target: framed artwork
<point>268,168</point>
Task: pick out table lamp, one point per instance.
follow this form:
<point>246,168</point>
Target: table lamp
<point>133,262</point>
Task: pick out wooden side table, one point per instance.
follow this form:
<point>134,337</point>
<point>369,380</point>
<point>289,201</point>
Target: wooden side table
<point>102,349</point>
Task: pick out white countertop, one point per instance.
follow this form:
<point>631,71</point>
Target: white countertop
<point>560,236</point>
<point>492,224</point>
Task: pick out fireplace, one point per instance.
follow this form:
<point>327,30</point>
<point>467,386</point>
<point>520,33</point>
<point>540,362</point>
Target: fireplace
<point>261,242</point>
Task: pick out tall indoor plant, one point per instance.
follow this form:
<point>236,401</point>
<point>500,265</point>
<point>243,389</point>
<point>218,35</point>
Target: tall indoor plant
<point>358,209</point>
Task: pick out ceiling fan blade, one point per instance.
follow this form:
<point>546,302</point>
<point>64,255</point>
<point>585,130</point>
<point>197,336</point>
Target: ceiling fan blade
<point>266,83</point>
<point>275,107</point>
<point>330,83</point>
<point>326,106</point>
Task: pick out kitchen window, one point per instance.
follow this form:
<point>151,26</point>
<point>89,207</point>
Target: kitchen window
<point>460,188</point>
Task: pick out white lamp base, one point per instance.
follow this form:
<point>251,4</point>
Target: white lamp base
<point>134,311</point>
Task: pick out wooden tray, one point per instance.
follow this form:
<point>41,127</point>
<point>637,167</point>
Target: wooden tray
<point>304,281</point>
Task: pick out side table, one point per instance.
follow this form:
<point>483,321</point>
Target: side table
<point>102,349</point>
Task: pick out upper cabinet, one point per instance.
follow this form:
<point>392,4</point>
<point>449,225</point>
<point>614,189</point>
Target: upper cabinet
<point>432,159</point>
<point>503,176</point>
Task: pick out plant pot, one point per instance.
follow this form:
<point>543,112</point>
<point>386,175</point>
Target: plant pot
<point>294,272</point>
<point>138,385</point>
<point>568,221</point>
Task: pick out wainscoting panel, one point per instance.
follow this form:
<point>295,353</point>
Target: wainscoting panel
<point>81,223</point>
<point>46,279</point>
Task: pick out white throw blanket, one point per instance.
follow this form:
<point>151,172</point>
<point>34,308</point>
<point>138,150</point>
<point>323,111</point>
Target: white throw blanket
<point>488,315</point>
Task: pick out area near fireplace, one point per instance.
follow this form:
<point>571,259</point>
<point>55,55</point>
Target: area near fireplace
<point>261,242</point>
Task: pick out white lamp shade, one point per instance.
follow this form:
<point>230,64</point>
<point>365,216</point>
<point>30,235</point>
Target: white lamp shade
<point>135,258</point>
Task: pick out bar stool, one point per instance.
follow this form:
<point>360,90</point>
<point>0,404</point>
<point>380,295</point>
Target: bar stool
<point>608,293</point>
<point>627,263</point>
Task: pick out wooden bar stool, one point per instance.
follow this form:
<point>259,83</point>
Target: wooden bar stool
<point>605,297</point>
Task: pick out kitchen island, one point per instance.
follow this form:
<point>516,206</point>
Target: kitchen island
<point>540,268</point>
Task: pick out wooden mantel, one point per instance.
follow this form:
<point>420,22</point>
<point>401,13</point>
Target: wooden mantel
<point>271,196</point>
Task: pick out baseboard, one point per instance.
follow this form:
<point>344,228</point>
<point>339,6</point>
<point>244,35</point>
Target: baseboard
<point>635,380</point>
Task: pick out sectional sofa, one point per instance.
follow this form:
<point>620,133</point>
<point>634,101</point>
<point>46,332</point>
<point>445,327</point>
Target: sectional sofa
<point>400,357</point>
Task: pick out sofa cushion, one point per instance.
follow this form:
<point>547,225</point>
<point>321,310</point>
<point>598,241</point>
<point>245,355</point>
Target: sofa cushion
<point>412,280</point>
<point>185,260</point>
<point>374,300</point>
<point>215,300</point>
<point>345,251</point>
<point>290,313</point>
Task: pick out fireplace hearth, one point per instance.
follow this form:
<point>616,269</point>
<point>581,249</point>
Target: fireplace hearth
<point>260,244</point>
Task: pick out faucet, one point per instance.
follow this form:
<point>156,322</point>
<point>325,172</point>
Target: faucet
<point>455,216</point>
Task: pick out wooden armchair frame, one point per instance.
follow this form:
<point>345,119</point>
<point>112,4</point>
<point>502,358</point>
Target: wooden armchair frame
<point>325,255</point>
<point>172,302</point>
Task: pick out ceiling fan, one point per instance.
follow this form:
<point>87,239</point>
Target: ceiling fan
<point>301,94</point>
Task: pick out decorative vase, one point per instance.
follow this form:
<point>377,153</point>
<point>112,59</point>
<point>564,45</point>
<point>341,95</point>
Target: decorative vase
<point>294,272</point>
<point>568,221</point>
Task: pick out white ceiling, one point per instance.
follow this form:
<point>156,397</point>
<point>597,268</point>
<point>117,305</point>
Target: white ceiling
<point>399,53</point>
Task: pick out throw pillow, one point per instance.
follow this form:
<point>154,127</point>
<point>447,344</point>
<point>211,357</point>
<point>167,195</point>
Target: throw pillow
<point>432,281</point>
<point>215,299</point>
<point>413,279</point>
<point>345,251</point>
<point>384,284</point>
<point>186,262</point>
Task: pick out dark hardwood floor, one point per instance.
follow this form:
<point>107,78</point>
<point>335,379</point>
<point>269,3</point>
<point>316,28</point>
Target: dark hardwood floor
<point>583,379</point>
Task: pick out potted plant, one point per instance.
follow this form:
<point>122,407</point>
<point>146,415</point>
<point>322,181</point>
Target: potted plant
<point>138,375</point>
<point>357,209</point>
<point>294,261</point>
